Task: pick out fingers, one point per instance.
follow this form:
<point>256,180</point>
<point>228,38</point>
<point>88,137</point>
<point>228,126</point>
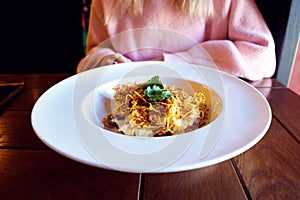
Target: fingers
<point>121,59</point>
<point>113,59</point>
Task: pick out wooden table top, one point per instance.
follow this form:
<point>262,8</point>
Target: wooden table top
<point>31,170</point>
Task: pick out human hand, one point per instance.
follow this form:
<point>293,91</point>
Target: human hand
<point>114,59</point>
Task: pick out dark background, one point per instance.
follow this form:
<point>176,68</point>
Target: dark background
<point>46,36</point>
<point>276,14</point>
<point>40,36</point>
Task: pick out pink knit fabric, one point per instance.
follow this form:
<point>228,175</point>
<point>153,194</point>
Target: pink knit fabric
<point>237,40</point>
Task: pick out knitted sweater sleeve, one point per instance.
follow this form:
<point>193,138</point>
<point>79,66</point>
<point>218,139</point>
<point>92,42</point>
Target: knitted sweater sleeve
<point>98,44</point>
<point>247,52</point>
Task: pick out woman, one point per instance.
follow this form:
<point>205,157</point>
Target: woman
<point>229,34</point>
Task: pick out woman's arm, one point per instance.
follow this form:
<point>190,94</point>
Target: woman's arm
<point>99,49</point>
<point>248,52</point>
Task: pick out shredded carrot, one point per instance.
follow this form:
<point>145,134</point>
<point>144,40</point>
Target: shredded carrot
<point>169,116</point>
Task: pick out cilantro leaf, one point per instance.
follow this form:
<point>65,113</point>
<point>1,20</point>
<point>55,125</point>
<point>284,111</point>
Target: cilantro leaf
<point>156,92</point>
<point>154,81</point>
<point>167,94</point>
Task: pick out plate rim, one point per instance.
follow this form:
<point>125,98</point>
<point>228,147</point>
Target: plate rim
<point>168,168</point>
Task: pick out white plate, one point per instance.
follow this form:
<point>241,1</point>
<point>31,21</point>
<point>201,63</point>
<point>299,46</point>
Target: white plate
<point>66,117</point>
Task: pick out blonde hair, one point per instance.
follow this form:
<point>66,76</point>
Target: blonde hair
<point>201,9</point>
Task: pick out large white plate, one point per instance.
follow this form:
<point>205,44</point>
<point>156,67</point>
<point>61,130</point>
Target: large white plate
<point>63,119</point>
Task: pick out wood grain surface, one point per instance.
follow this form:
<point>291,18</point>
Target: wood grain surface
<point>31,170</point>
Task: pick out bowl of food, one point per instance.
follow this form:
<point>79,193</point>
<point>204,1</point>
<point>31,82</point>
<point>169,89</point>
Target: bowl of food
<point>153,106</point>
<point>158,108</point>
<point>151,117</point>
<point>147,115</point>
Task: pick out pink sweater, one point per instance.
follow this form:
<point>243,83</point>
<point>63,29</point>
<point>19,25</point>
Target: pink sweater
<point>237,40</point>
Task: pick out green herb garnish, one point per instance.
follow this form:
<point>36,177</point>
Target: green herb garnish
<point>155,91</point>
<point>154,81</point>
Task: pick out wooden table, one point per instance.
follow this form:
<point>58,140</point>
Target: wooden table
<point>31,170</point>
